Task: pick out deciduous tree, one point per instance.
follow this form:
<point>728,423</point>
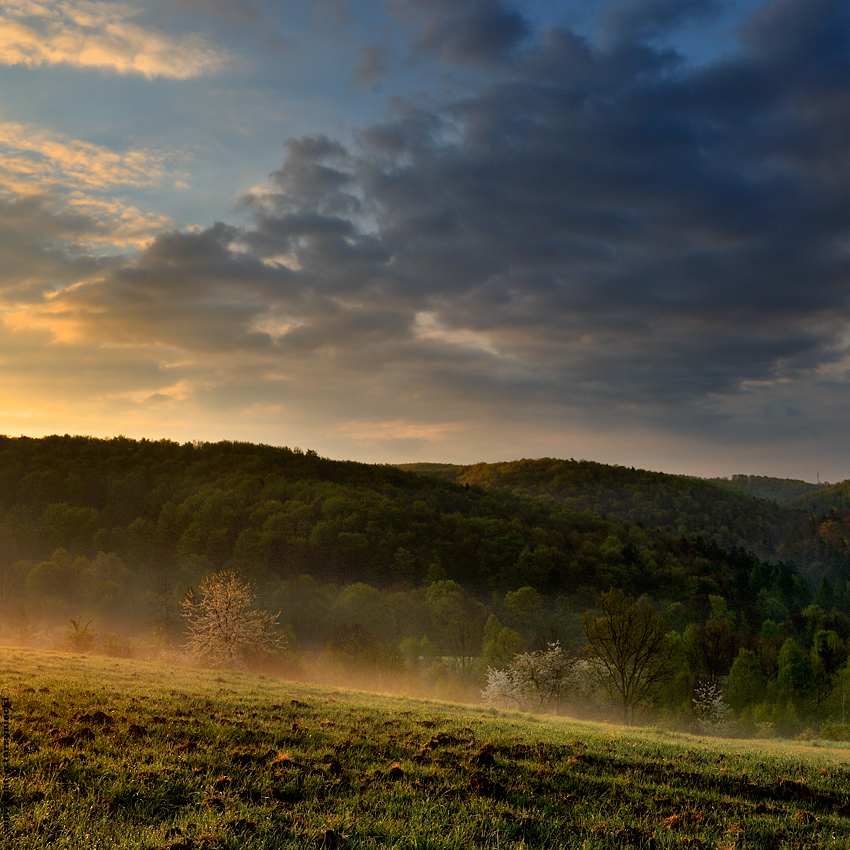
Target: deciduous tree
<point>535,681</point>
<point>629,650</point>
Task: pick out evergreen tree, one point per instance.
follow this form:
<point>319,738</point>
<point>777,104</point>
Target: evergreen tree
<point>746,681</point>
<point>796,676</point>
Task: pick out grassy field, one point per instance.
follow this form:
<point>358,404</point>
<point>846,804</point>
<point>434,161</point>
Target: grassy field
<point>108,754</point>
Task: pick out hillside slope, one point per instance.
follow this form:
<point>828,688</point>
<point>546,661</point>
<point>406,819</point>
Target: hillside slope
<point>834,496</point>
<point>781,490</point>
<point>151,757</point>
<point>675,504</point>
<point>172,513</point>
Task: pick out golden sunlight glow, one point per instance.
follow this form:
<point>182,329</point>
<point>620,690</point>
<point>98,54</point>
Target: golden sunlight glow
<point>397,429</point>
<point>60,328</point>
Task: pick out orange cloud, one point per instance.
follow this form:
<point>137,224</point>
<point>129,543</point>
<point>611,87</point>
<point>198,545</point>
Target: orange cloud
<point>99,35</point>
<point>34,161</point>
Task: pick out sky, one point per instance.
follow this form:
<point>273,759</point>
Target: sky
<point>432,230</point>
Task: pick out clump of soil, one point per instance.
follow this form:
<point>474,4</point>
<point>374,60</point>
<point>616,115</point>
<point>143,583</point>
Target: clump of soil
<point>484,757</point>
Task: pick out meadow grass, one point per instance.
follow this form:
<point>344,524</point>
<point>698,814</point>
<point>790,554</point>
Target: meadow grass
<point>108,754</point>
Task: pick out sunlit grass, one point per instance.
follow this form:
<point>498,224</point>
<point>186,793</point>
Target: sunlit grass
<point>130,754</point>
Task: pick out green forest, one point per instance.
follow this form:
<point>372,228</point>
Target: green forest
<point>436,578</point>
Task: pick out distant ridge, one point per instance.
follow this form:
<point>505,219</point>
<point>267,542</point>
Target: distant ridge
<point>718,511</point>
<point>781,490</point>
<point>830,496</point>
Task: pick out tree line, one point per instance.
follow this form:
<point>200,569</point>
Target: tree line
<point>397,574</point>
<point>763,515</point>
<point>618,659</point>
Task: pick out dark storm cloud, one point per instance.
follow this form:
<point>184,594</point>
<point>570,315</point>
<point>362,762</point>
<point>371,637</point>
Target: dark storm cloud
<point>475,32</point>
<point>597,224</point>
<point>191,291</point>
<point>315,176</point>
<point>208,248</point>
<point>642,19</point>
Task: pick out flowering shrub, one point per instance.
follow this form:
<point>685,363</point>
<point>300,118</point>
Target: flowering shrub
<point>713,714</point>
<point>535,681</point>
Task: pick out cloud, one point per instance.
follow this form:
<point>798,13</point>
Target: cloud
<point>89,34</point>
<point>638,20</point>
<point>373,65</point>
<point>399,430</point>
<point>592,232</point>
<point>45,248</point>
<point>32,158</point>
<point>623,231</point>
<point>80,178</point>
<point>474,32</point>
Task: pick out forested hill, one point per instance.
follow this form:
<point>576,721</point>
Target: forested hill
<point>675,504</point>
<point>392,572</point>
<point>782,490</point>
<point>835,496</point>
<point>171,513</point>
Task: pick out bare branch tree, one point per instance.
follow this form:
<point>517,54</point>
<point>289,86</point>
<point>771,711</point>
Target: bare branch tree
<point>224,629</point>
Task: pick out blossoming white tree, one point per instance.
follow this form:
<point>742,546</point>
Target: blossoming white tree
<point>712,712</point>
<point>224,629</point>
<point>534,681</point>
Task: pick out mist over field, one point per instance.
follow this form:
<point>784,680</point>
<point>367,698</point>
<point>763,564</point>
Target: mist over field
<point>530,584</point>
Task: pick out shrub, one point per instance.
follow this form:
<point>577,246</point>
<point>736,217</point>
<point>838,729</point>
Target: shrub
<point>81,637</point>
<point>835,731</point>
